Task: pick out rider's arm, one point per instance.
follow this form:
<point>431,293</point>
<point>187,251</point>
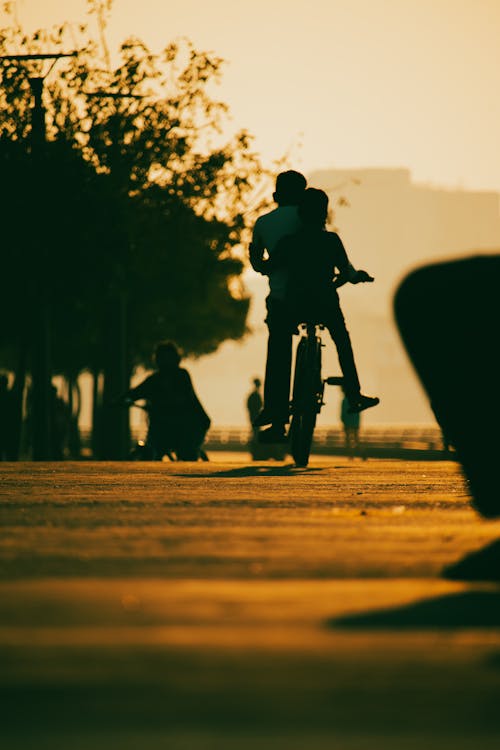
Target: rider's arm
<point>256,250</point>
<point>256,256</point>
<point>280,257</point>
<point>347,273</point>
<point>346,270</point>
<point>141,391</point>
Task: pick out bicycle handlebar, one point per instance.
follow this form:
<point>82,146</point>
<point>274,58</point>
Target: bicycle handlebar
<point>361,277</point>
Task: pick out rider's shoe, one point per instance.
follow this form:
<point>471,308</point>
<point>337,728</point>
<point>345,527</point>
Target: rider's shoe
<point>262,419</point>
<point>273,435</point>
<point>362,403</point>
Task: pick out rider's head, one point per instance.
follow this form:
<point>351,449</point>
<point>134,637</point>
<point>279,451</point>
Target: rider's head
<point>167,356</point>
<point>4,381</point>
<point>290,187</point>
<point>313,208</point>
<point>257,382</point>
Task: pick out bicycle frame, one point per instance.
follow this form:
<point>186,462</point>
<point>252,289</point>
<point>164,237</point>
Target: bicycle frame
<point>308,386</point>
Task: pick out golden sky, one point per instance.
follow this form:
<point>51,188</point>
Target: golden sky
<point>343,83</point>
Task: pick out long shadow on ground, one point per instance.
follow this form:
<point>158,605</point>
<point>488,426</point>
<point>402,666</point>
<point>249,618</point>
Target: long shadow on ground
<point>470,609</point>
<point>481,565</point>
<point>256,471</point>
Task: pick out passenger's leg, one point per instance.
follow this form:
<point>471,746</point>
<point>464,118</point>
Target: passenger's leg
<point>335,322</point>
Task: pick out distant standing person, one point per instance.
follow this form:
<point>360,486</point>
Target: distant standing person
<point>351,423</point>
<point>254,405</point>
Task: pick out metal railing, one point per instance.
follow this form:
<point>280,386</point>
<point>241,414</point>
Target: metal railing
<point>398,441</point>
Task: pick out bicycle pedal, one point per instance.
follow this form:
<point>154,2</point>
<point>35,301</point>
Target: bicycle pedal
<point>334,380</point>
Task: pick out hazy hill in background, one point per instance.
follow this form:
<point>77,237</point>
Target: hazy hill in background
<point>390,226</point>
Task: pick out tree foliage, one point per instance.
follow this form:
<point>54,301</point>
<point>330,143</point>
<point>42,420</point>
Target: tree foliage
<point>137,195</point>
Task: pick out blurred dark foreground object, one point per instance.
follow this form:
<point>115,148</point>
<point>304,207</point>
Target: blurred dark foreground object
<point>448,315</point>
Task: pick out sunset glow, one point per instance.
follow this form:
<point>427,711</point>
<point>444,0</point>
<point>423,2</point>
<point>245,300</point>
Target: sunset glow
<point>398,83</point>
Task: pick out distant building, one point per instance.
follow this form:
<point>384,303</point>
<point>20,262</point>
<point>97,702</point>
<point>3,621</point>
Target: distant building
<point>389,226</point>
<point>392,224</point>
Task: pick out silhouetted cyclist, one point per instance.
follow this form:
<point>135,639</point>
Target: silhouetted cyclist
<point>177,420</point>
<point>316,264</point>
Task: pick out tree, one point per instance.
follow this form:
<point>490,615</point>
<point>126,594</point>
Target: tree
<point>151,201</point>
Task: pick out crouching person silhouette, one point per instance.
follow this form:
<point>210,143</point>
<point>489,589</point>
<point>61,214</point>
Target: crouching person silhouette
<point>178,422</point>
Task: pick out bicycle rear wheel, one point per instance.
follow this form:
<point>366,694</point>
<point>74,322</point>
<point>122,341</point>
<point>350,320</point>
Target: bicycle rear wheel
<point>301,435</point>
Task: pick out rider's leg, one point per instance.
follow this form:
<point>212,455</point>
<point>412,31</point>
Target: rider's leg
<point>278,366</point>
<point>335,322</point>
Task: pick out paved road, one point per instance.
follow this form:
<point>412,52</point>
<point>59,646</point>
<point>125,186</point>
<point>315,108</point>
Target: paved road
<point>231,605</point>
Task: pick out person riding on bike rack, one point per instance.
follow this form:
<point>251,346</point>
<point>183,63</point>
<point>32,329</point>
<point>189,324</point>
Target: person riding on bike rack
<point>316,265</point>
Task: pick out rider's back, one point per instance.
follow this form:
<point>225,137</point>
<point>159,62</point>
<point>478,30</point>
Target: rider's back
<point>312,257</point>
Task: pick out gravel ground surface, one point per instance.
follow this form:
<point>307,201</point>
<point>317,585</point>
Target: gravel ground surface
<point>241,605</point>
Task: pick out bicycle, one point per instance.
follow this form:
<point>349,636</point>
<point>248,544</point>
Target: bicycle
<point>308,391</point>
<point>308,384</point>
<point>174,449</point>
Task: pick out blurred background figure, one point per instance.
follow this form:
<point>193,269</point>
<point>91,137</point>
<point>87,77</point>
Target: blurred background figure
<point>260,451</point>
<point>449,317</point>
<point>254,405</point>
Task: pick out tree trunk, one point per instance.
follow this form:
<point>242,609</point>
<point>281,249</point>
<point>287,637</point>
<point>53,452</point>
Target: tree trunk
<point>96,429</point>
<point>18,388</point>
<point>74,442</point>
<point>115,418</point>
